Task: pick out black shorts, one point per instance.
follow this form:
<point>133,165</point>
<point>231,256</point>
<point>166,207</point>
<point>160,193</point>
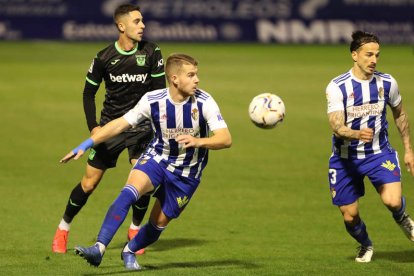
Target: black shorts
<point>105,155</point>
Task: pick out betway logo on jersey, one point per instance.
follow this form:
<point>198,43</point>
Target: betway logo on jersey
<point>128,78</point>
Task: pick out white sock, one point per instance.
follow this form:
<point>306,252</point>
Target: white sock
<point>133,226</point>
<point>63,225</point>
<point>102,247</point>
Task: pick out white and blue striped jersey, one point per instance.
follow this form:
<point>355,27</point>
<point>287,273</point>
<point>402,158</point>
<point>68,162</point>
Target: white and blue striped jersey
<point>196,116</point>
<point>364,104</point>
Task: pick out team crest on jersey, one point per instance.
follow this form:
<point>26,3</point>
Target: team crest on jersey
<point>333,192</point>
<point>381,92</point>
<point>140,60</point>
<point>351,96</point>
<point>194,114</point>
<point>388,165</point>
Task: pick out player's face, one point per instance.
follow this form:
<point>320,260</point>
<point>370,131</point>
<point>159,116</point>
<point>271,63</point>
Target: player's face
<point>187,80</point>
<point>134,26</point>
<point>366,58</point>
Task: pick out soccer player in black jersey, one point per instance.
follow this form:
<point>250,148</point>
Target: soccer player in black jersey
<point>130,67</point>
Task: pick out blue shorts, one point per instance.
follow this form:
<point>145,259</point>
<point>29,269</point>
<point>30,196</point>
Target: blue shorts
<point>173,191</point>
<point>346,176</point>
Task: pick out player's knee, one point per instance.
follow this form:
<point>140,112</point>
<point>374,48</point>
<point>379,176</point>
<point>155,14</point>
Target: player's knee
<point>392,203</point>
<point>89,184</point>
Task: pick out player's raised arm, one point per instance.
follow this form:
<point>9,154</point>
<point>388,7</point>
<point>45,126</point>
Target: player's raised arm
<point>110,130</point>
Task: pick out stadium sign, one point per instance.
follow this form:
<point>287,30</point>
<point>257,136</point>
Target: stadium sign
<point>266,21</point>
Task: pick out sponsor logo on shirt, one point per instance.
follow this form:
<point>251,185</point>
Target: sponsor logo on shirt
<point>172,133</point>
<point>128,78</point>
<point>359,111</point>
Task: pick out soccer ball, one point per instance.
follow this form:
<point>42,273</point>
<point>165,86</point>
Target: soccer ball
<point>266,110</point>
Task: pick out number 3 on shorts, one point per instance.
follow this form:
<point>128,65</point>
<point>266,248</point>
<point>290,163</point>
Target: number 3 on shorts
<point>332,174</point>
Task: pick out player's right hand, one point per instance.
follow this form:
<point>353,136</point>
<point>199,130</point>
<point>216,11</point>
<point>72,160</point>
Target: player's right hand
<point>366,135</point>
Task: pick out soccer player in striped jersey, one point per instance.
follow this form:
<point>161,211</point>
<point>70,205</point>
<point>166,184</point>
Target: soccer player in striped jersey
<point>130,67</point>
<point>357,102</point>
<point>182,117</point>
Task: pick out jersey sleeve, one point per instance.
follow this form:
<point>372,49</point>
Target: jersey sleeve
<point>157,69</point>
<point>212,114</point>
<point>334,98</point>
<point>139,113</point>
<point>95,72</point>
<point>93,80</point>
<point>394,96</point>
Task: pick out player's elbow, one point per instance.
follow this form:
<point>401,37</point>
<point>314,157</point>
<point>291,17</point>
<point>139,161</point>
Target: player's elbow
<point>227,142</point>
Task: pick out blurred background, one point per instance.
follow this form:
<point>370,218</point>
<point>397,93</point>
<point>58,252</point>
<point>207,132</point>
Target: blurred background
<point>264,21</point>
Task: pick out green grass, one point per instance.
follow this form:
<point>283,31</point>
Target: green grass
<point>263,207</point>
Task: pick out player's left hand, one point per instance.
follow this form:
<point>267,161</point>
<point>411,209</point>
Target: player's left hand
<point>409,161</point>
<point>71,155</point>
<point>77,152</point>
<point>186,141</point>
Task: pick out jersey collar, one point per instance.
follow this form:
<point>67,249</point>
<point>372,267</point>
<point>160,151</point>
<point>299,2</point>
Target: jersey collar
<point>124,52</point>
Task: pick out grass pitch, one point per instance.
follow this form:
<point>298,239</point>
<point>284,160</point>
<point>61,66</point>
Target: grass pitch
<point>263,207</point>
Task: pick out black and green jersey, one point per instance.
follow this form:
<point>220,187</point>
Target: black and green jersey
<point>127,76</point>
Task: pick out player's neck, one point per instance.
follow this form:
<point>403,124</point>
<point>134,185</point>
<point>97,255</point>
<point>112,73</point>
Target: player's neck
<point>359,74</point>
<point>176,96</point>
<point>126,44</point>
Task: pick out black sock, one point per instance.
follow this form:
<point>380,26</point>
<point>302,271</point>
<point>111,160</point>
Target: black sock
<point>139,208</point>
<point>76,201</point>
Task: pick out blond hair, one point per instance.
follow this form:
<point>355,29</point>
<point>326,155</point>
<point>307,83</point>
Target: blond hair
<point>176,61</point>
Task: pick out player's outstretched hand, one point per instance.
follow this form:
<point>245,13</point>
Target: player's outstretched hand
<point>77,152</point>
<point>71,155</point>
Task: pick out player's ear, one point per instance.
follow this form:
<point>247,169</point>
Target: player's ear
<point>121,26</point>
<point>354,55</point>
<point>174,79</point>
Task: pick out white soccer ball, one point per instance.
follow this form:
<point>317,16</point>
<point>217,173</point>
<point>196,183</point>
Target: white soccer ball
<point>266,110</point>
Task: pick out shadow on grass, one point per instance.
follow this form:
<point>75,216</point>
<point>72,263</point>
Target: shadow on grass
<point>168,244</point>
<point>405,256</point>
<point>196,264</point>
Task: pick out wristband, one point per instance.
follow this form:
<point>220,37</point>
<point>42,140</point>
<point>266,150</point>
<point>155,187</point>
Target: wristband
<point>87,144</point>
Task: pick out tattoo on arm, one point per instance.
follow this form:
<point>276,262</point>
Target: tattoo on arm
<point>401,121</point>
<point>337,122</point>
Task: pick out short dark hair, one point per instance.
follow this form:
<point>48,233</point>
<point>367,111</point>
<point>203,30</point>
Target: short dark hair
<point>124,9</point>
<point>360,38</point>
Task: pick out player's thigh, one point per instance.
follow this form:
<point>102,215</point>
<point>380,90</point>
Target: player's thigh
<point>345,185</point>
<point>141,181</point>
<point>391,194</point>
<point>105,155</point>
<point>382,169</point>
<point>91,178</point>
<point>158,217</point>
